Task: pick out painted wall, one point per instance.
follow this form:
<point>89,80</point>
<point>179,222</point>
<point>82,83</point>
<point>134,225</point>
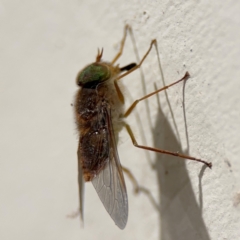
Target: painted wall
<point>43,46</point>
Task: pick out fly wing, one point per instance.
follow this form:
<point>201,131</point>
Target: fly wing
<point>81,184</point>
<point>110,184</point>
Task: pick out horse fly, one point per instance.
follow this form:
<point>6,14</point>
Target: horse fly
<point>99,117</point>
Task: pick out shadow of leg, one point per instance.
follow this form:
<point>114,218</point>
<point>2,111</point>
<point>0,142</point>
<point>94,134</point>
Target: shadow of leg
<point>180,215</point>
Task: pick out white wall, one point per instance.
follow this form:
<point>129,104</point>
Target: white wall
<point>43,46</point>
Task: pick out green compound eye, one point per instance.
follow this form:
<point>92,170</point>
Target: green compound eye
<point>93,74</point>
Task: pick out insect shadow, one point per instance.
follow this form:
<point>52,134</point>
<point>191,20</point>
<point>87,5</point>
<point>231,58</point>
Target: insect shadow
<point>180,216</point>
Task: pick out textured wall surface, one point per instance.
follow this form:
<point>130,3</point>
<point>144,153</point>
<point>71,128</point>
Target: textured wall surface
<point>43,46</point>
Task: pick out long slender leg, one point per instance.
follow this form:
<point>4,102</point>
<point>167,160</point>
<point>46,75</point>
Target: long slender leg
<point>130,109</point>
<point>138,65</point>
<point>81,183</point>
<point>129,130</point>
<point>127,27</point>
<point>132,178</point>
<point>119,92</point>
<point>138,188</point>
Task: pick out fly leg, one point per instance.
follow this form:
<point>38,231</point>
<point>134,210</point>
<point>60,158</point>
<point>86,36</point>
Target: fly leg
<point>138,189</point>
<point>134,141</point>
<point>186,76</point>
<point>81,184</point>
<point>129,111</point>
<point>127,28</point>
<point>132,178</point>
<point>130,67</point>
<point>153,42</point>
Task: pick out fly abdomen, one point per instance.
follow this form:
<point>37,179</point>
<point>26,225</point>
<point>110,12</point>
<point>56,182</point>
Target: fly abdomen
<point>93,152</point>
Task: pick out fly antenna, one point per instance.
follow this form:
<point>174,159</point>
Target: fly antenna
<point>99,55</point>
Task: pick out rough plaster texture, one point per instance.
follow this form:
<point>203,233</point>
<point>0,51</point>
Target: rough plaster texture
<point>43,46</point>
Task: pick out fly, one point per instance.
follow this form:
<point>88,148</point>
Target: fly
<point>99,117</point>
